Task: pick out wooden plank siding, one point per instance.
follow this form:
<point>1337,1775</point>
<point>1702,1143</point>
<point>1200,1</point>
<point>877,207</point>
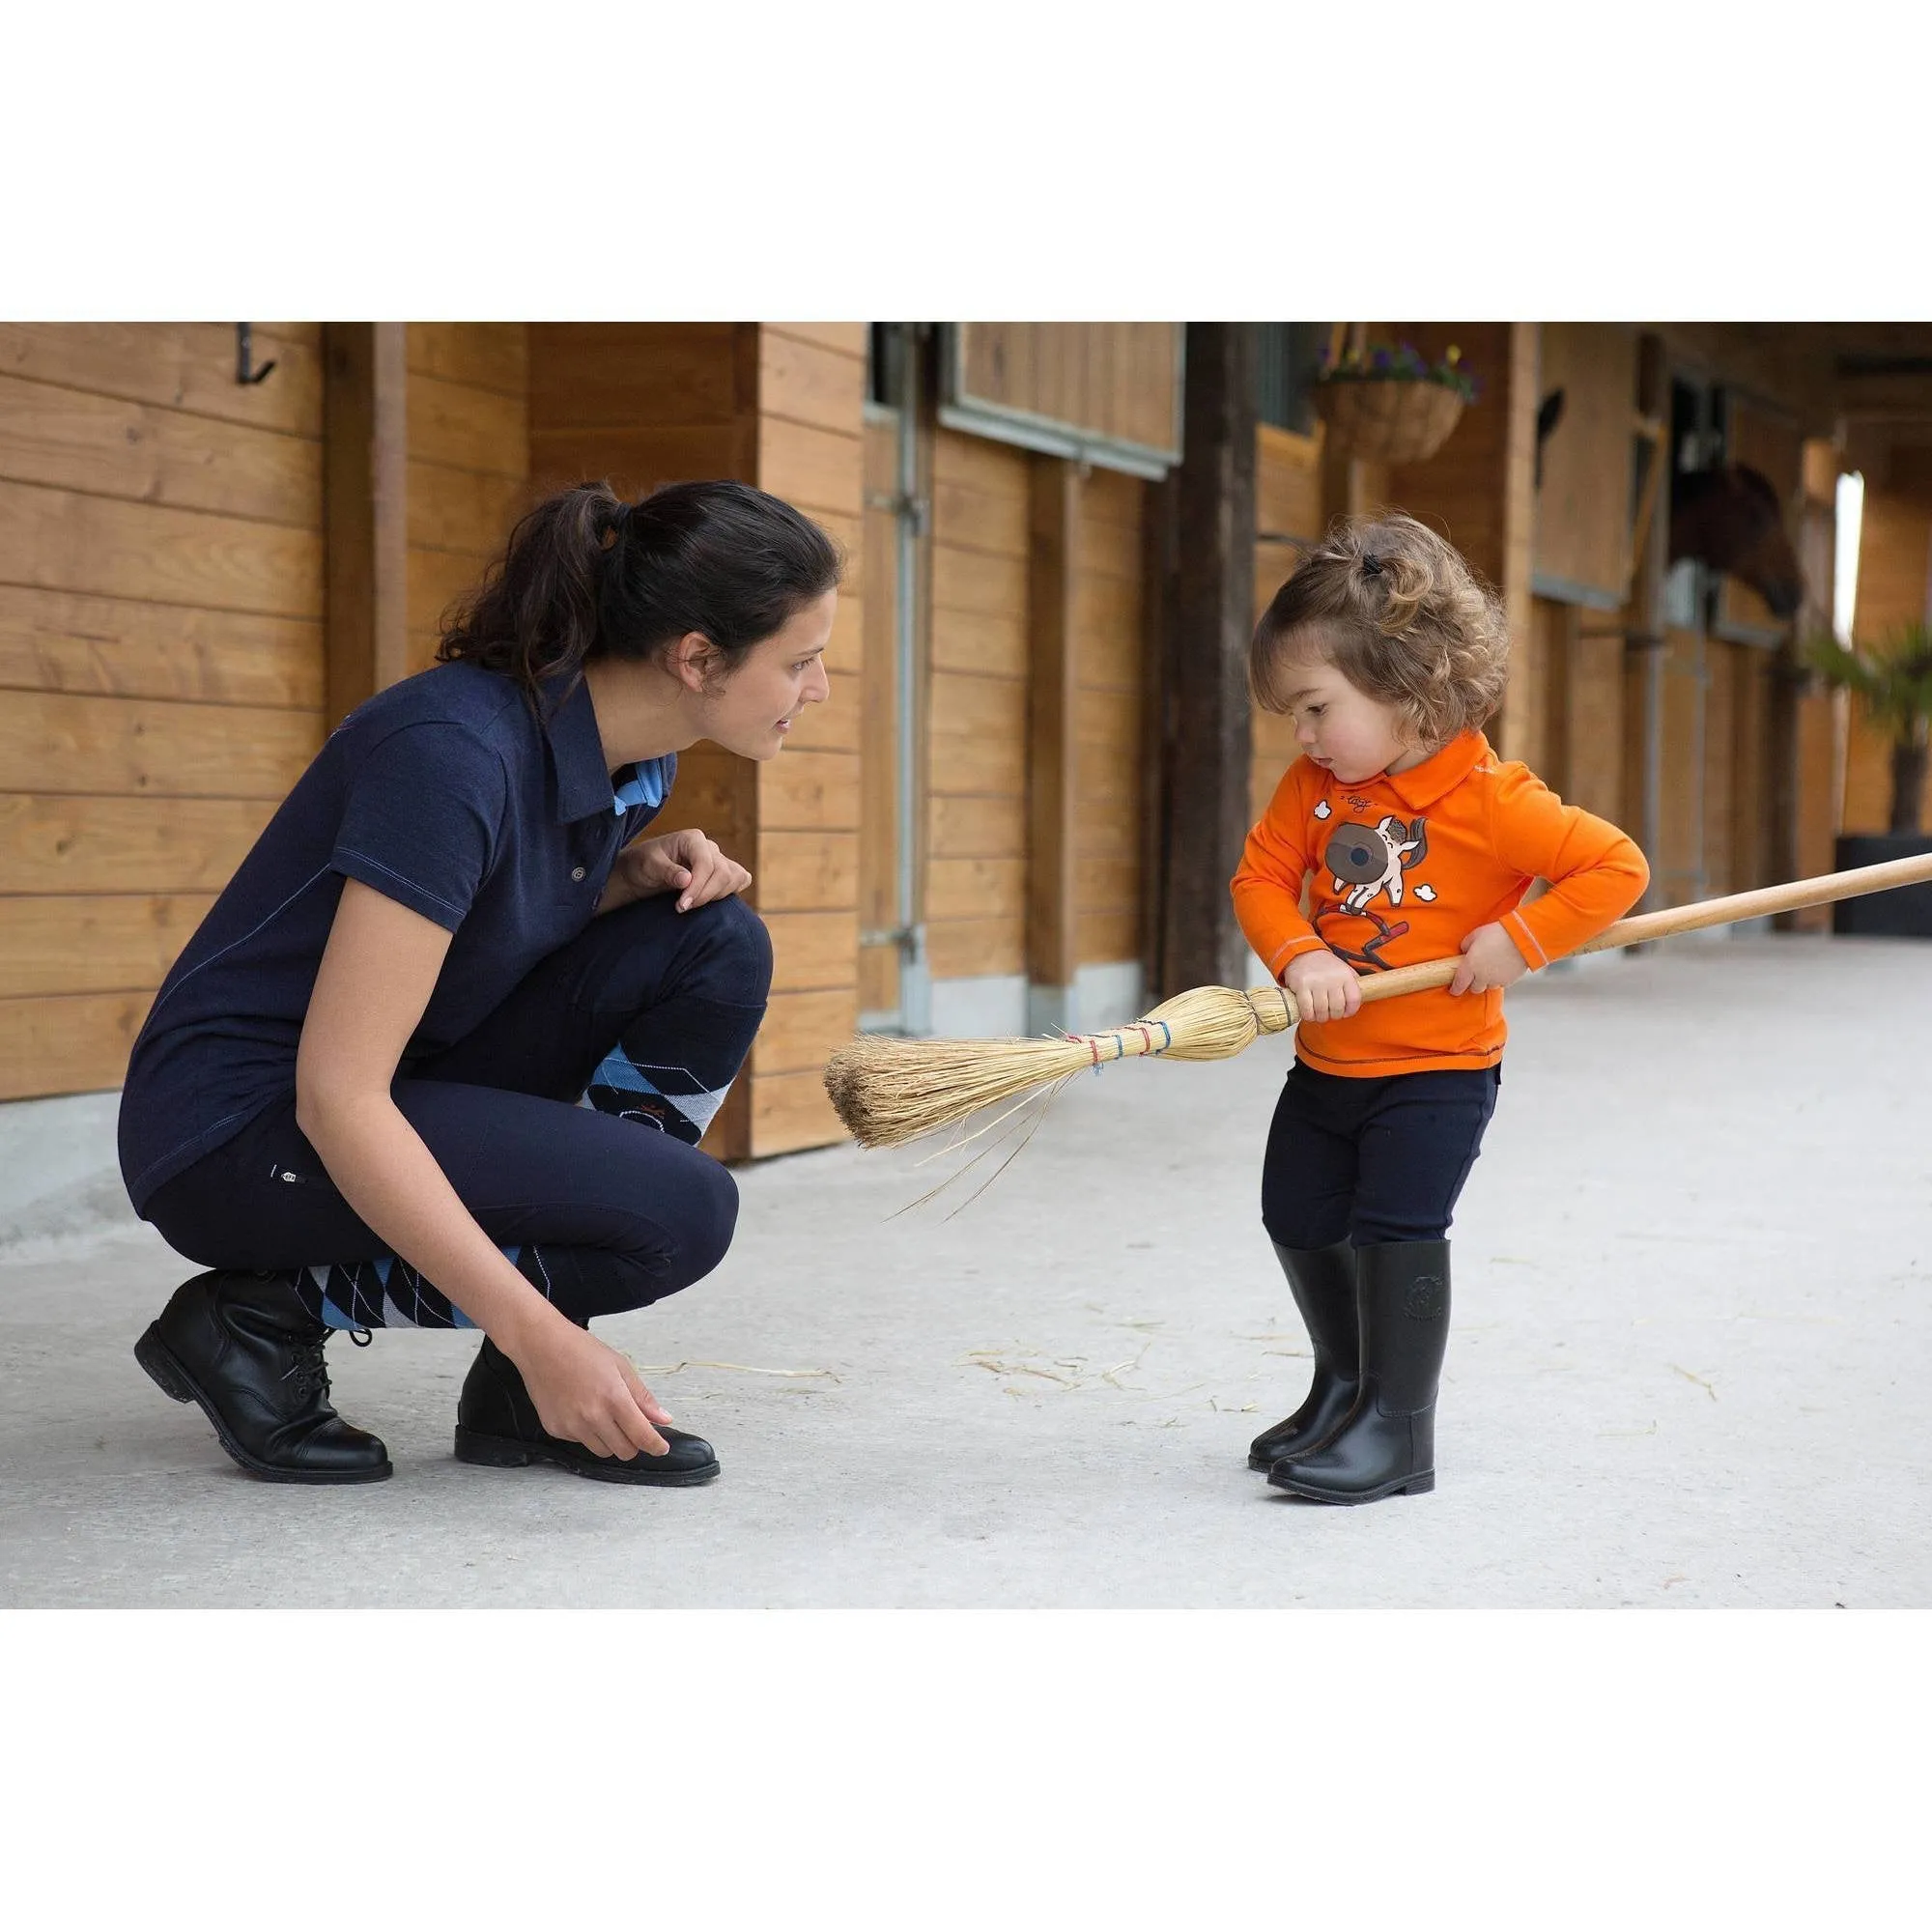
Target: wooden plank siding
<point>643,404</point>
<point>877,703</point>
<point>469,461</point>
<point>1583,504</point>
<point>1478,490</point>
<point>161,641</point>
<point>1109,645</point>
<point>977,709</point>
<point>636,405</point>
<point>1289,513</point>
<point>811,451</point>
<point>1109,379</point>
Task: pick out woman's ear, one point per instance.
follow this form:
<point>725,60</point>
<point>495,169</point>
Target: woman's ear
<point>693,659</point>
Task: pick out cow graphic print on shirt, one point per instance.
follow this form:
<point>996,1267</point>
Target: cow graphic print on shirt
<point>1366,862</point>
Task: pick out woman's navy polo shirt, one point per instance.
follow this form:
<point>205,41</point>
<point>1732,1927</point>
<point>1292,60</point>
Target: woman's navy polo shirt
<point>446,793</point>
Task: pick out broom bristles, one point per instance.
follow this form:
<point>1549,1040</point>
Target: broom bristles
<point>889,1091</point>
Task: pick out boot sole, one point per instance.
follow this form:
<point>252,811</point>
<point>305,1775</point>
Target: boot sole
<point>1403,1486</point>
<point>165,1371</point>
<point>504,1452</point>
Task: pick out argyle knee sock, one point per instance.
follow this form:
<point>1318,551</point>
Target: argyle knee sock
<point>389,1294</point>
<point>672,1067</point>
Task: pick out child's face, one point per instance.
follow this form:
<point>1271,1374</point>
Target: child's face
<point>1340,728</point>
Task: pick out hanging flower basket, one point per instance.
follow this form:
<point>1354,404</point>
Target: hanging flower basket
<point>1389,406</point>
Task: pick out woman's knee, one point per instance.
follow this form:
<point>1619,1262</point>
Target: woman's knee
<point>715,1217</point>
<point>705,1220</point>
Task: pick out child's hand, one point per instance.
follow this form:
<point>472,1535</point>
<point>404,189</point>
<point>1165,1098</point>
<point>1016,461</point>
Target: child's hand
<point>1490,959</point>
<point>1321,986</point>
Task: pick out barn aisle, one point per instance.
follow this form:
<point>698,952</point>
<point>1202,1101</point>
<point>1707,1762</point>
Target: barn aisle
<point>1687,1368</point>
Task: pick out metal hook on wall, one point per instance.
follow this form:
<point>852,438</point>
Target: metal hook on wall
<point>244,355</point>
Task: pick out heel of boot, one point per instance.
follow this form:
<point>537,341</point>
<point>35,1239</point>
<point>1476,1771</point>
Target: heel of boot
<point>1419,1486</point>
<point>490,1452</point>
<point>154,1356</point>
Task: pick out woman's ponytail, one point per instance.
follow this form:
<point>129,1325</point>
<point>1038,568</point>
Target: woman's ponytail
<point>587,575</point>
<point>534,617</point>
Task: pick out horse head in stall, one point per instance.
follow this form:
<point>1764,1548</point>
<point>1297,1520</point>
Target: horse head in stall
<point>1729,519</point>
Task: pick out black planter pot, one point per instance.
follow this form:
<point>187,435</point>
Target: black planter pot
<point>1906,911</point>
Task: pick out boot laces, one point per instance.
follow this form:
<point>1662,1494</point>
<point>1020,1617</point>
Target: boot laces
<point>308,1372</point>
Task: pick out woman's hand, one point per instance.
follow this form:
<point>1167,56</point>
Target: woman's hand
<point>685,862</point>
<point>584,1391</point>
<point>1489,960</point>
<point>1322,987</point>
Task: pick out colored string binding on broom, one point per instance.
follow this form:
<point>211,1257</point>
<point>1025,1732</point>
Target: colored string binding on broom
<point>1091,1040</point>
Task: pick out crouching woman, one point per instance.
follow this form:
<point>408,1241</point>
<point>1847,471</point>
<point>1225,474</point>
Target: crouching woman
<point>356,1100</point>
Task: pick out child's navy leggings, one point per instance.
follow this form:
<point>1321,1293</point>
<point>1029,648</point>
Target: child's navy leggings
<point>1368,1161</point>
<point>647,1014</point>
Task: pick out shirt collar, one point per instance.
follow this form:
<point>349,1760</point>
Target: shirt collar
<point>577,755</point>
<point>1421,785</point>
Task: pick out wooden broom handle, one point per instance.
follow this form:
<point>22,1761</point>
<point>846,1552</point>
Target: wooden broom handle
<point>1768,899</point>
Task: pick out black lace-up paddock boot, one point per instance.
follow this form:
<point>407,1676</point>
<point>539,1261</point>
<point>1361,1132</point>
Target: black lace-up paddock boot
<point>1323,1281</point>
<point>1387,1445</point>
<point>246,1349</point>
<point>496,1425</point>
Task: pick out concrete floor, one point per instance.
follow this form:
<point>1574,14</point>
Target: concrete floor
<point>1689,1364</point>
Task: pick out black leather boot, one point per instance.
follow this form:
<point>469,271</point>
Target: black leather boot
<point>244,1348</point>
<point>1323,1281</point>
<point>1387,1445</point>
<point>496,1425</point>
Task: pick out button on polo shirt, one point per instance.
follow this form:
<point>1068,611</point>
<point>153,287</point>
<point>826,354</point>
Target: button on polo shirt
<point>447,793</point>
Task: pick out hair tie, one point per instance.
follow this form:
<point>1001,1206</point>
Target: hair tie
<point>1372,564</point>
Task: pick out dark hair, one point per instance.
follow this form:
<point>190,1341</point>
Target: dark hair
<point>587,575</point>
<point>1400,615</point>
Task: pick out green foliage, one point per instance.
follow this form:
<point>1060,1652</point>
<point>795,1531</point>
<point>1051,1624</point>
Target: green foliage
<point>1894,678</point>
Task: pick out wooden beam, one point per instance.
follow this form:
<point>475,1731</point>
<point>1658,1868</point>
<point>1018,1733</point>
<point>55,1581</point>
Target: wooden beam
<point>1205,799</point>
<point>1053,564</point>
<point>365,430</point>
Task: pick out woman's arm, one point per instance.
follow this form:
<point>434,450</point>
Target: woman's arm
<point>377,974</point>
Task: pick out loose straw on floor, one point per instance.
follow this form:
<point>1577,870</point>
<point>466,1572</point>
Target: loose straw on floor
<point>889,1090</point>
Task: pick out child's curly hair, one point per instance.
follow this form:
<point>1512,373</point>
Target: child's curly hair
<point>1399,613</point>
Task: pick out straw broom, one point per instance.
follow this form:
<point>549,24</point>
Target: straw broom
<point>889,1090</point>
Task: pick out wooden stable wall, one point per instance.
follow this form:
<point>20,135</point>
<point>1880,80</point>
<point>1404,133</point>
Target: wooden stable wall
<point>1108,677</point>
<point>1289,514</point>
<point>1479,490</point>
<point>780,404</point>
<point>1117,380</point>
<point>160,658</point>
<point>976,866</point>
<point>812,384</point>
<point>468,461</point>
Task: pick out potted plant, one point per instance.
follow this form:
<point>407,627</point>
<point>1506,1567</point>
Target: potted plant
<point>1893,680</point>
<point>1387,404</point>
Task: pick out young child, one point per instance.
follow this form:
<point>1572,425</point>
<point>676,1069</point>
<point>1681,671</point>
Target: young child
<point>1418,843</point>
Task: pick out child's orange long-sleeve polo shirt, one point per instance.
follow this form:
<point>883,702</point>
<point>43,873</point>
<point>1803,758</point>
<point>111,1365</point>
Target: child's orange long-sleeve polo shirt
<point>1403,868</point>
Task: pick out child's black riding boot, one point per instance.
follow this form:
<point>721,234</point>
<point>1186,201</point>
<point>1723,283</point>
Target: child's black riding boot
<point>1323,1281</point>
<point>246,1349</point>
<point>496,1425</point>
<point>1387,1445</point>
